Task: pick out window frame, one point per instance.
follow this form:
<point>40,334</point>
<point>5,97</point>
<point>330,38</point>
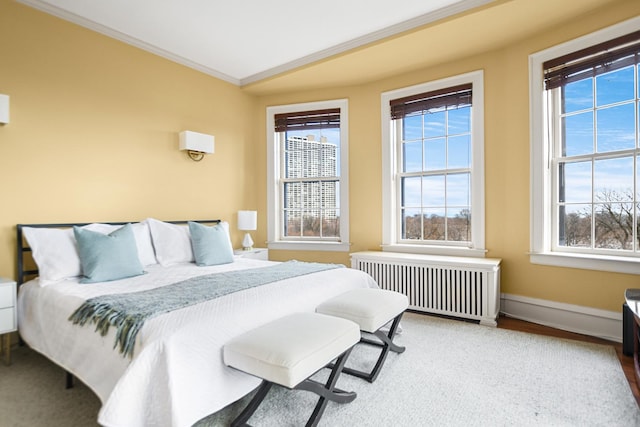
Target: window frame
<point>542,250</point>
<point>391,234</point>
<point>275,210</point>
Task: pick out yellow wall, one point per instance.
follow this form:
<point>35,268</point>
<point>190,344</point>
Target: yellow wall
<point>94,132</point>
<point>93,137</point>
<point>506,164</point>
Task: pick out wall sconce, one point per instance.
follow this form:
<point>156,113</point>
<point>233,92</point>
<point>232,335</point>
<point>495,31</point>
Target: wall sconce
<point>196,144</point>
<point>4,109</point>
<point>247,221</point>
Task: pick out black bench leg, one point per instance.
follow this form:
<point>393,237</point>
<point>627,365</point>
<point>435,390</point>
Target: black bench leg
<point>329,392</point>
<point>69,380</point>
<point>244,416</point>
<point>387,344</point>
<point>326,392</point>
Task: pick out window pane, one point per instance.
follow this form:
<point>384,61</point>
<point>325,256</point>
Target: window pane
<point>459,225</point>
<point>292,223</point>
<point>433,191</point>
<point>412,156</point>
<point>411,224</point>
<point>329,160</point>
<point>459,152</point>
<point>577,96</point>
<point>577,135</point>
<point>291,196</point>
<point>434,124</point>
<point>575,182</point>
<point>615,86</point>
<point>309,196</point>
<point>312,153</point>
<point>412,128</point>
<point>411,192</point>
<point>458,189</point>
<point>614,226</point>
<point>311,223</point>
<point>459,121</point>
<point>637,241</point>
<point>434,224</point>
<point>330,194</point>
<point>574,226</point>
<point>331,223</point>
<point>637,178</point>
<point>293,161</point>
<point>434,154</point>
<point>616,128</point>
<point>613,181</point>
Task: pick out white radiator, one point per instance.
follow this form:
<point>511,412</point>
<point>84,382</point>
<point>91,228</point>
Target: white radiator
<point>453,286</point>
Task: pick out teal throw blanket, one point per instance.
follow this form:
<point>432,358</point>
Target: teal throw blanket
<point>128,312</point>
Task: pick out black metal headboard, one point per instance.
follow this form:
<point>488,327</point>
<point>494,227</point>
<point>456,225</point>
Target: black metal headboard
<point>23,248</point>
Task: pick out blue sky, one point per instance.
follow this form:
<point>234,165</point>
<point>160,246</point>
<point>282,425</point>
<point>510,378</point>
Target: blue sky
<point>439,143</point>
<point>600,119</point>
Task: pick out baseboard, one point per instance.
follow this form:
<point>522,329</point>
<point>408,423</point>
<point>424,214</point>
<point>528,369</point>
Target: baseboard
<point>568,317</point>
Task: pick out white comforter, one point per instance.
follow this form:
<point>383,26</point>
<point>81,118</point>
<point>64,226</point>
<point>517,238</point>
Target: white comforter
<point>176,376</point>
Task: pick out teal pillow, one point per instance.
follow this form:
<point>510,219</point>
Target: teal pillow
<point>106,257</point>
<point>211,245</point>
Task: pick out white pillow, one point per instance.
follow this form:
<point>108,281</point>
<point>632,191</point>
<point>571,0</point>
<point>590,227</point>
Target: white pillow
<point>55,252</point>
<point>141,232</point>
<point>172,242</point>
<point>143,241</point>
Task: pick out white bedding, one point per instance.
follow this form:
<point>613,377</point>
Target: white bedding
<point>176,376</point>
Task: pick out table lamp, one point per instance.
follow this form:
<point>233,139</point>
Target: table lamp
<point>247,221</point>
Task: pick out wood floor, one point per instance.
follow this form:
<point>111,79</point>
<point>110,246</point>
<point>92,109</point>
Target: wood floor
<point>625,361</point>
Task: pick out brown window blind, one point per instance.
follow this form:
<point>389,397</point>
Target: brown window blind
<point>592,61</point>
<point>306,120</point>
<point>456,96</point>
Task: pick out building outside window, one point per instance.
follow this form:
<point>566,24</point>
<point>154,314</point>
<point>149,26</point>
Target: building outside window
<point>434,172</point>
<point>307,190</point>
<point>586,195</point>
<point>311,185</point>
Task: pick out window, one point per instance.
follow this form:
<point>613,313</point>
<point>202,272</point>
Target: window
<point>433,167</point>
<point>308,188</point>
<point>586,152</point>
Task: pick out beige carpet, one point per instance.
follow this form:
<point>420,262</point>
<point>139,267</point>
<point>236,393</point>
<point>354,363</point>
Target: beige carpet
<point>452,374</point>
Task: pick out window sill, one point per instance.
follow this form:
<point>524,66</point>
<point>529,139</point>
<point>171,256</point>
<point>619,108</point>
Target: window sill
<point>310,246</point>
<point>436,250</point>
<point>587,262</point>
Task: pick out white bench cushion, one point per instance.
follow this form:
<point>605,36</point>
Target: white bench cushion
<point>291,349</point>
<point>369,308</point>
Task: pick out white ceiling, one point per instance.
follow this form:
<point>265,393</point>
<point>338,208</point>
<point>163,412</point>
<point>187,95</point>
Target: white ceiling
<point>244,41</point>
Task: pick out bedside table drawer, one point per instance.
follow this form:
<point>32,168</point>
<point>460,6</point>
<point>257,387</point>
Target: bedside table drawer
<point>255,253</point>
<point>7,296</point>
<point>7,320</point>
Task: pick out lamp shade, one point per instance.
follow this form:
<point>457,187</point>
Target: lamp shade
<point>247,220</point>
<point>195,141</point>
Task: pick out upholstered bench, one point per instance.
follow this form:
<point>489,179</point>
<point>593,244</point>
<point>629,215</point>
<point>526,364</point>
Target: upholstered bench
<point>371,309</point>
<point>288,351</point>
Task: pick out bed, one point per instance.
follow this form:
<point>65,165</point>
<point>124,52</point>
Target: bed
<point>175,375</point>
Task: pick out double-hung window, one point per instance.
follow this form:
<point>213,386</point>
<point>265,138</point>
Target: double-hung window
<point>586,200</point>
<point>307,176</point>
<point>433,168</point>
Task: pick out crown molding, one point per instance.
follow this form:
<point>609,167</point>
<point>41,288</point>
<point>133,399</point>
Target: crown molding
<point>375,36</point>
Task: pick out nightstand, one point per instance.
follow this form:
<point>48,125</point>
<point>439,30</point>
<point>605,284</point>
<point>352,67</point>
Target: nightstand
<point>255,253</point>
<point>8,317</point>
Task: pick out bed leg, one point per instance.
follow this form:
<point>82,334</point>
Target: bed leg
<point>69,383</point>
